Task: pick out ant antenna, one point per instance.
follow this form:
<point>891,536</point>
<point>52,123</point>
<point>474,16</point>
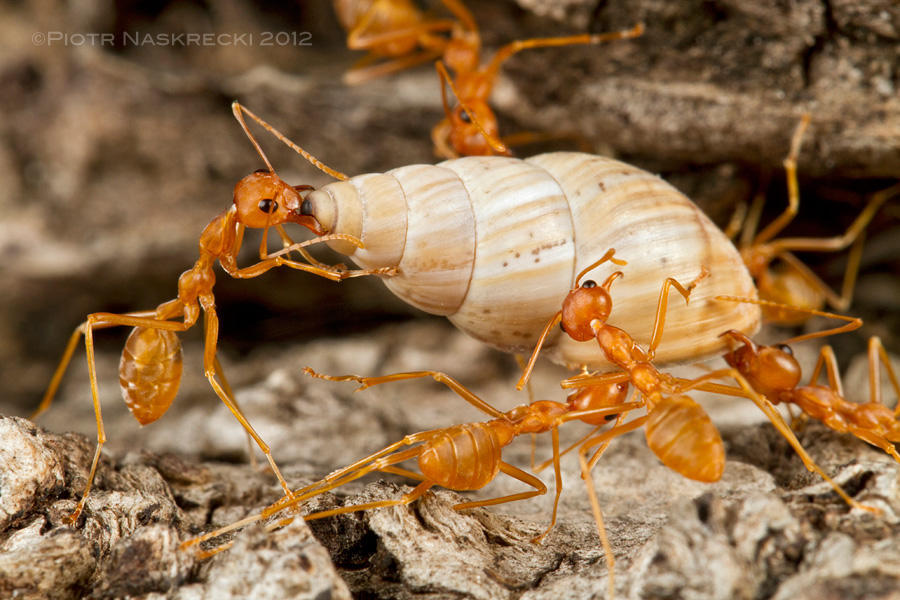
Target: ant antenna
<point>238,109</point>
<point>609,256</point>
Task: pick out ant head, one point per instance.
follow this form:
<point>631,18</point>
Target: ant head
<point>465,136</point>
<point>768,369</point>
<point>587,302</point>
<point>263,199</point>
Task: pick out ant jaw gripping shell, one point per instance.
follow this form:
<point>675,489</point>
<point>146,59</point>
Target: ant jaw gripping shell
<point>262,199</point>
<point>768,369</point>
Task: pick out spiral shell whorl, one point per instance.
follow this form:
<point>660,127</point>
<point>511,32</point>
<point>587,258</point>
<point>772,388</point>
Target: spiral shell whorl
<point>494,244</point>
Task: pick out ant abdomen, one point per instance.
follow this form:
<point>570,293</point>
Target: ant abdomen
<point>150,371</point>
<point>679,431</point>
<point>465,457</point>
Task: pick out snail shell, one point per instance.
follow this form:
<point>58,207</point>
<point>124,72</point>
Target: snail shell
<point>495,243</point>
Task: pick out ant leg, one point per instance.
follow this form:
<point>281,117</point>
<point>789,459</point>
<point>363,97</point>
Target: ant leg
<point>66,358</point>
<point>287,242</point>
<point>504,53</point>
<point>619,412</point>
<point>769,410</point>
<point>580,380</point>
<point>612,433</point>
<point>854,235</point>
<point>361,37</point>
<point>877,440</point>
<point>662,304</point>
<point>383,458</point>
<point>462,13</point>
<point>829,361</point>
<point>790,168</point>
<point>851,324</point>
<point>526,373</point>
<point>554,433</point>
<point>520,360</point>
<point>211,336</point>
<point>738,218</point>
<point>516,473</point>
<point>407,498</point>
<point>102,321</point>
<point>360,73</point>
<point>227,387</point>
<point>876,350</point>
<point>601,528</point>
<point>603,440</point>
<point>460,390</point>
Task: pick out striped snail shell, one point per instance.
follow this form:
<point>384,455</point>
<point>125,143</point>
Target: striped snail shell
<point>494,244</point>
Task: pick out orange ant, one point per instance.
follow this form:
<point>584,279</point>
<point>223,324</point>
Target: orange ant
<point>775,373</point>
<point>460,457</point>
<point>677,429</point>
<point>470,129</point>
<point>395,30</point>
<point>151,365</point>
<point>793,283</point>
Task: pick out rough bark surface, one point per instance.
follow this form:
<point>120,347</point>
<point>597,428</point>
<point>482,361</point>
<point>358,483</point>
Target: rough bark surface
<point>114,156</point>
<point>767,529</point>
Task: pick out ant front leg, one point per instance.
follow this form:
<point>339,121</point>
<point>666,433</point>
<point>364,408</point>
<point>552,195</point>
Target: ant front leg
<point>662,304</point>
<point>213,372</point>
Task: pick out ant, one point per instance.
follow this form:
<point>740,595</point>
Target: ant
<point>775,373</point>
<point>470,129</point>
<point>792,283</point>
<point>461,457</point>
<point>151,365</point>
<point>676,427</point>
<point>395,28</point>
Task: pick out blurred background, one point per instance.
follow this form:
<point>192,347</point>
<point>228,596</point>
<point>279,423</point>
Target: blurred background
<point>116,151</point>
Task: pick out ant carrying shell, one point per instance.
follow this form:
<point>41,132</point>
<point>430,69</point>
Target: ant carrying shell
<point>151,365</point>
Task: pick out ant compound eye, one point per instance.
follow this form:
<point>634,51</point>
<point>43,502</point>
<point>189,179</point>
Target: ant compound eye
<point>464,117</point>
<point>306,208</point>
<point>590,283</point>
<point>267,205</point>
<point>785,348</point>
